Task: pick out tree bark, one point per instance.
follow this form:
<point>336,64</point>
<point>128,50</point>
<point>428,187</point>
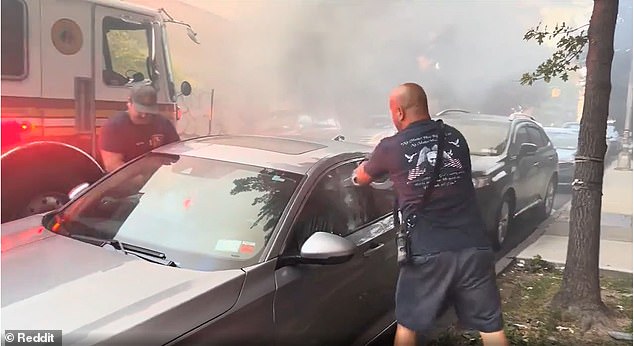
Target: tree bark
<point>580,290</point>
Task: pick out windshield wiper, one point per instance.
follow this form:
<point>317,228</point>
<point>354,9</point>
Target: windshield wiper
<point>141,252</point>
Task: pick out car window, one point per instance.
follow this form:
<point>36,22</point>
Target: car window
<point>545,137</point>
<point>383,201</point>
<point>485,138</point>
<point>562,140</point>
<point>204,214</point>
<point>521,136</point>
<point>536,137</point>
<point>14,40</point>
<point>334,206</point>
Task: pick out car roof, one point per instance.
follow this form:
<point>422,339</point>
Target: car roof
<point>292,154</point>
<point>478,117</point>
<point>475,117</point>
<point>563,130</point>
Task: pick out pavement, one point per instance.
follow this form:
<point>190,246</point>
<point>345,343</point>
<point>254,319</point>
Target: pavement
<point>550,240</point>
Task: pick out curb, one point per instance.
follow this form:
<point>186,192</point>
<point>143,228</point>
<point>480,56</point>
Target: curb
<point>506,261</point>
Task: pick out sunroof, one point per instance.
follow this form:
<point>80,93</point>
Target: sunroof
<point>278,145</point>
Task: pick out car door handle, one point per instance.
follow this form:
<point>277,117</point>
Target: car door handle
<point>537,164</point>
<point>373,249</point>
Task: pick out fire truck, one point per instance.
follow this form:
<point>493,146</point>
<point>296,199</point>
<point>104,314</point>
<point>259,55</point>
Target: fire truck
<point>68,65</point>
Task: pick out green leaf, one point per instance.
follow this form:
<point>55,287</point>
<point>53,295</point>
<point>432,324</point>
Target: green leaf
<point>569,46</point>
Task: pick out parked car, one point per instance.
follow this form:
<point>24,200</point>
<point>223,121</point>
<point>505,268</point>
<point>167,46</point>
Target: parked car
<point>514,166</point>
<point>369,130</point>
<point>572,126</point>
<point>612,137</point>
<point>215,240</point>
<point>565,142</point>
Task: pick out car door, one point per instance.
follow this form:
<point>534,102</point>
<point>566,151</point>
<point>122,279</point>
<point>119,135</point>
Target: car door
<point>524,170</point>
<point>333,304</point>
<point>545,160</point>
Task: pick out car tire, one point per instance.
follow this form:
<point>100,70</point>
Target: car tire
<point>503,220</point>
<point>546,207</point>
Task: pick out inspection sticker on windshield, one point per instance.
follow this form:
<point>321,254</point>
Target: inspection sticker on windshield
<point>247,247</point>
<point>228,245</point>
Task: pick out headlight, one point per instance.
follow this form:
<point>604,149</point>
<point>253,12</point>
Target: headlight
<point>479,182</point>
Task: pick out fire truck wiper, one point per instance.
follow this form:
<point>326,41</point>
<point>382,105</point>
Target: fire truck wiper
<point>141,252</point>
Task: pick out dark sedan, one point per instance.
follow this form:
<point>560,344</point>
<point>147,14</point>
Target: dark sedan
<point>221,240</point>
<point>514,166</point>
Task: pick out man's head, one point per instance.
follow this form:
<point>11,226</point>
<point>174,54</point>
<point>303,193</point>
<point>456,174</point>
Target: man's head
<point>408,104</point>
<point>142,104</point>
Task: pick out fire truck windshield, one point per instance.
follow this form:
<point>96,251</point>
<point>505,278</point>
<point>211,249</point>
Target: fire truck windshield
<point>128,51</point>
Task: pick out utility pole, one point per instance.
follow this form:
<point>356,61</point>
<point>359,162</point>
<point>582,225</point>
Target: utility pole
<point>624,161</point>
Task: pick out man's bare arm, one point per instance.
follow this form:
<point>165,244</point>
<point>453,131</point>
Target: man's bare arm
<point>111,160</point>
<point>360,177</point>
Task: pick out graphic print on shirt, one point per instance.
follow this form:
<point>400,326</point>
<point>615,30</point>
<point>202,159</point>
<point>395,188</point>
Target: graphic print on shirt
<point>156,140</point>
<point>426,149</point>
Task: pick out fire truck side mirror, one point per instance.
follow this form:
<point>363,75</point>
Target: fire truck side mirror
<point>186,88</point>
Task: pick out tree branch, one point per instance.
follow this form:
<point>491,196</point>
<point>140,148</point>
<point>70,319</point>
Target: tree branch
<point>569,48</point>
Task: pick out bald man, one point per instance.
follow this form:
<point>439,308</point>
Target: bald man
<point>450,258</point>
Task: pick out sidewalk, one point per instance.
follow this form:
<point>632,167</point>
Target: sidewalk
<point>550,240</point>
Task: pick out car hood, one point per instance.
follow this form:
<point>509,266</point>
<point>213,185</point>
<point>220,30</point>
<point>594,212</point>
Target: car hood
<point>92,294</point>
<point>482,165</point>
<point>368,136</point>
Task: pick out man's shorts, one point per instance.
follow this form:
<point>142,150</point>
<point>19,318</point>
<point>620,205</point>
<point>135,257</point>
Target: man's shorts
<point>463,278</point>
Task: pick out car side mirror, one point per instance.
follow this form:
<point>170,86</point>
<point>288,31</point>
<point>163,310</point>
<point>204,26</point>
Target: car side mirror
<point>77,190</point>
<point>527,149</point>
<point>326,248</point>
<point>186,88</point>
<point>322,248</point>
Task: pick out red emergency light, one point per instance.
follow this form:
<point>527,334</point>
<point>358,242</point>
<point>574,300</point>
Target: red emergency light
<point>26,126</point>
<point>179,112</point>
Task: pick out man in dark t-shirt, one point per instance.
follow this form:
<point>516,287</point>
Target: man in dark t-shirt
<point>140,129</point>
<point>451,259</point>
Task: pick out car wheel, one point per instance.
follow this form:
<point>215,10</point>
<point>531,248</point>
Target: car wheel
<point>546,207</point>
<point>503,222</point>
<point>44,202</point>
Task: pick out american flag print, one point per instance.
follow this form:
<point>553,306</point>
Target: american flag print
<point>415,173</point>
<point>452,163</point>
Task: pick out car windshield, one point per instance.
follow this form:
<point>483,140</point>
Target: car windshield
<point>202,214</point>
<point>563,140</point>
<point>485,138</point>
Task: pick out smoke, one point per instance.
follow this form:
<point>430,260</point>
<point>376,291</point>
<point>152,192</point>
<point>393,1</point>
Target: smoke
<point>340,59</point>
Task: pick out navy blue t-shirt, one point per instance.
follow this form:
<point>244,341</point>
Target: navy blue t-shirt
<point>120,135</point>
<point>451,219</point>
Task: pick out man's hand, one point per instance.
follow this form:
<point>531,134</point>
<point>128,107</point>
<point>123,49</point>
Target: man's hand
<point>360,177</point>
<point>111,160</point>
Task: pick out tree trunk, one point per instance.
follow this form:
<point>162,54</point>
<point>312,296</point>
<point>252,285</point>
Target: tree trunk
<point>580,290</point>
